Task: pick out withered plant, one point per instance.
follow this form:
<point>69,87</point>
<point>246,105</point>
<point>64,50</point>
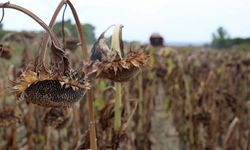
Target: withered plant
<point>186,99</point>
<point>8,118</point>
<point>57,87</point>
<point>113,63</point>
<point>5,51</point>
<point>116,65</point>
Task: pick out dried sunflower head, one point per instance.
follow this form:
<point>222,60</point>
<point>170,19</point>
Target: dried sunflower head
<point>112,63</point>
<point>48,91</point>
<point>5,51</point>
<point>8,118</point>
<point>122,69</point>
<point>57,87</point>
<point>71,44</point>
<point>58,117</point>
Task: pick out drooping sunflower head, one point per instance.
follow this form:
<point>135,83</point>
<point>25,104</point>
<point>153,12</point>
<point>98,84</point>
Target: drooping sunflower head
<point>48,91</point>
<point>112,63</point>
<point>58,86</point>
<point>121,70</point>
<point>5,51</point>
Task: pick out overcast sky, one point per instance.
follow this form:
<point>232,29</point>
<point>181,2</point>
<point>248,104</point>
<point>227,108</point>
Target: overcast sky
<point>191,21</point>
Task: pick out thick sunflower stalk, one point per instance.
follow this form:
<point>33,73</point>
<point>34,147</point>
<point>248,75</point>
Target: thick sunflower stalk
<point>117,47</point>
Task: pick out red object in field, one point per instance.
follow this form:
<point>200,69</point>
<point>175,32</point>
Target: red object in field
<point>156,39</point>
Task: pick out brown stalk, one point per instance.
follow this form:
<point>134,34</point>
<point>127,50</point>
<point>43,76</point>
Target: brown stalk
<point>92,127</point>
<point>48,145</point>
<point>2,15</point>
<point>140,99</point>
<point>4,97</point>
<point>42,50</point>
<point>248,140</point>
<point>230,133</point>
<point>12,138</point>
<point>42,53</point>
<point>30,126</point>
<point>80,31</point>
<point>90,98</point>
<point>77,127</point>
<point>62,30</point>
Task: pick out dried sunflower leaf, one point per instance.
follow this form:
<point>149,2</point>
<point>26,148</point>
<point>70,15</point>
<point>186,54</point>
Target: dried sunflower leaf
<point>107,66</point>
<point>30,76</point>
<point>117,43</point>
<point>115,67</point>
<point>124,64</point>
<point>135,63</point>
<point>60,63</point>
<point>100,49</point>
<point>99,71</point>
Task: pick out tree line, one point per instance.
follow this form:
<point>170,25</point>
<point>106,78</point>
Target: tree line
<point>69,30</point>
<point>222,40</point>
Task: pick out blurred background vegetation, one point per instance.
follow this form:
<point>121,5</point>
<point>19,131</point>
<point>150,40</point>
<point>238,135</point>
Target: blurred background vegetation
<point>222,40</point>
<point>69,29</point>
<point>189,95</point>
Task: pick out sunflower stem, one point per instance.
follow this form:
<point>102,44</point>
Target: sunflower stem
<point>45,39</point>
<point>118,106</point>
<point>80,32</point>
<point>48,138</point>
<point>90,97</point>
<point>116,44</point>
<point>92,126</point>
<point>141,103</point>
